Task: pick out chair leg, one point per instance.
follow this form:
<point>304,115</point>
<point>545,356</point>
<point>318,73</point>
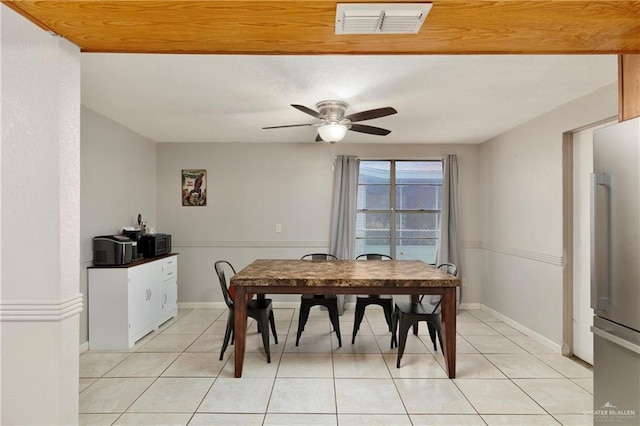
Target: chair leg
<point>333,316</point>
<point>227,334</point>
<point>439,332</point>
<point>272,321</point>
<point>264,326</point>
<point>394,327</point>
<point>357,320</point>
<point>405,325</point>
<point>388,311</point>
<point>302,320</point>
<point>432,334</point>
<point>437,328</point>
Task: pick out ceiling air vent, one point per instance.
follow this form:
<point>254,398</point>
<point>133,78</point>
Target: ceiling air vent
<point>380,18</point>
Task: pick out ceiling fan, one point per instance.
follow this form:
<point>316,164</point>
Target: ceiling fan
<point>334,123</point>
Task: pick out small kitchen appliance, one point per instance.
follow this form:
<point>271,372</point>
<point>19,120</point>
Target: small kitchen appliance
<point>134,235</point>
<point>152,245</point>
<point>112,250</point>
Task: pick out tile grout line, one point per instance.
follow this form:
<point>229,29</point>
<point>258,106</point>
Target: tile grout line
<point>511,379</point>
<point>275,376</point>
<point>334,352</point>
<point>215,379</point>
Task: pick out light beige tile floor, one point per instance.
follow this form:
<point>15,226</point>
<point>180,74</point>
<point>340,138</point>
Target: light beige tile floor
<point>174,376</point>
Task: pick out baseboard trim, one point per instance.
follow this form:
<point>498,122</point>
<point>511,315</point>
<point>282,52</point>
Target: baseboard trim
<point>470,306</point>
<point>221,305</point>
<point>84,347</point>
<point>202,305</point>
<point>521,328</point>
<point>286,305</point>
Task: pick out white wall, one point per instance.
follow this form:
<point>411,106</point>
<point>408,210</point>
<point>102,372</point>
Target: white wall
<point>521,174</point>
<point>511,205</point>
<point>118,181</point>
<point>40,192</point>
<point>252,187</point>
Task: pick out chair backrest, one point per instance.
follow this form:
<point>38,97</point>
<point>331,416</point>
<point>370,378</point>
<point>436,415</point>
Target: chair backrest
<point>318,256</point>
<point>374,256</point>
<point>223,267</point>
<point>449,268</point>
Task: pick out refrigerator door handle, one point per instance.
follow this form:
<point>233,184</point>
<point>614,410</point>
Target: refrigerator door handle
<point>600,242</point>
<point>616,340</point>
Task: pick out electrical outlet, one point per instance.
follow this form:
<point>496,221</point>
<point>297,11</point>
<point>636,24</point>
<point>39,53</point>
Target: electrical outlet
<point>278,227</point>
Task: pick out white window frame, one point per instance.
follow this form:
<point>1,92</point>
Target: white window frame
<point>393,212</point>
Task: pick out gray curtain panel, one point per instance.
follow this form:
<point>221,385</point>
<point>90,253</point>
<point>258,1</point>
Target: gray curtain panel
<point>449,247</point>
<point>343,216</point>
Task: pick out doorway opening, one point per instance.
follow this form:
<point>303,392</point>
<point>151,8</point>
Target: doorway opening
<point>577,339</point>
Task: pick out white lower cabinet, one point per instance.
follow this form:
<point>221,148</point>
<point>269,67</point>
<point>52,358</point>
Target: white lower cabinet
<point>127,303</point>
<point>169,307</point>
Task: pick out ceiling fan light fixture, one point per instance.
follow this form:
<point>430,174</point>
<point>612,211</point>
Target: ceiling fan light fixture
<point>332,132</point>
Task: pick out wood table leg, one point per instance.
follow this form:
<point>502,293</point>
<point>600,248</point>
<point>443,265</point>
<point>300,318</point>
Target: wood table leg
<point>240,326</point>
<point>448,309</point>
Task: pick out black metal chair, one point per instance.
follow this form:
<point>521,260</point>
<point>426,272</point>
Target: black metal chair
<point>362,301</point>
<point>408,314</point>
<point>307,301</point>
<point>258,309</point>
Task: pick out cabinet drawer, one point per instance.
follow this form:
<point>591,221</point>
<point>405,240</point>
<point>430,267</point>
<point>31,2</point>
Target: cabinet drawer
<point>170,273</point>
<point>169,268</point>
<point>170,262</point>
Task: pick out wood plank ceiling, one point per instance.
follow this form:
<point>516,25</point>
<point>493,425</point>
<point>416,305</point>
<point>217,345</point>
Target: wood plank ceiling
<point>307,27</point>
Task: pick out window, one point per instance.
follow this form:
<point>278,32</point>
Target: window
<point>398,208</point>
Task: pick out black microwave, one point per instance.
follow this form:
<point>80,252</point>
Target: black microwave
<point>151,245</point>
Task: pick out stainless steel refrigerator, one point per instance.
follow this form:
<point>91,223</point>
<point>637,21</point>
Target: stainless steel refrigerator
<point>615,273</point>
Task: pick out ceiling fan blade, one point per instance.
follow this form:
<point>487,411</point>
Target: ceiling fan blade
<point>289,125</point>
<point>371,114</point>
<point>371,130</point>
<point>307,110</point>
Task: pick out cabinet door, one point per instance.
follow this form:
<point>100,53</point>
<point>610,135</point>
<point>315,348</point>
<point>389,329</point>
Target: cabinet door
<point>170,294</point>
<point>154,282</point>
<point>138,299</point>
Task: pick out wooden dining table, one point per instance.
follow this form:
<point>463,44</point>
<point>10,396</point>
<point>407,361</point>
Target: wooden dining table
<point>393,277</point>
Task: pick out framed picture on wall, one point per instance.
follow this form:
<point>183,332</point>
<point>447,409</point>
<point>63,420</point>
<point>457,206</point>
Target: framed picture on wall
<point>194,187</point>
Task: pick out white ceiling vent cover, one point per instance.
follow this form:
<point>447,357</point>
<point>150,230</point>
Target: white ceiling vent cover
<point>380,18</point>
